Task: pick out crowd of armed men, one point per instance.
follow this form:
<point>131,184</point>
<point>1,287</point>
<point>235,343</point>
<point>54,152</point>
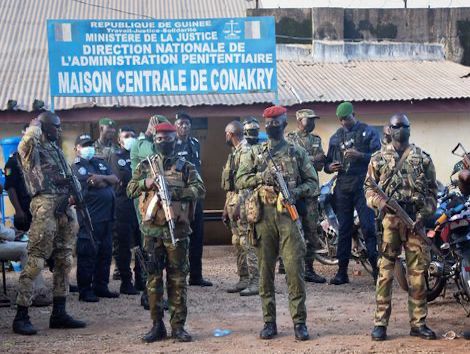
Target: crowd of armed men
<point>148,192</point>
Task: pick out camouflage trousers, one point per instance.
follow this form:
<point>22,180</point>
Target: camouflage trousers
<point>247,262</point>
<point>174,259</point>
<point>278,236</point>
<point>395,235</point>
<point>49,236</point>
<point>310,226</point>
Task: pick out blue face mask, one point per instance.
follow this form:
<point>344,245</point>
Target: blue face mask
<point>87,152</point>
<point>128,142</point>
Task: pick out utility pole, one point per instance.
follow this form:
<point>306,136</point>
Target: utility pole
<point>405,2</point>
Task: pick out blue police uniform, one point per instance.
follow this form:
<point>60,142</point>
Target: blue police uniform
<point>126,225</point>
<point>190,150</point>
<point>349,191</point>
<point>93,263</point>
<point>14,179</point>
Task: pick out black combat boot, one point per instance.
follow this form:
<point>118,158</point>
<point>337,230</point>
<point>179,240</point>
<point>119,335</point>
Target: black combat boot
<point>311,276</point>
<point>423,332</point>
<point>127,288</point>
<point>269,330</point>
<point>106,293</point>
<point>156,333</point>
<point>60,318</point>
<point>379,333</point>
<point>301,331</point>
<point>181,335</point>
<point>21,323</point>
<point>341,276</point>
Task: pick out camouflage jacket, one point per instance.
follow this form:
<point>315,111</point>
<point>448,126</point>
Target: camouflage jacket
<point>293,162</point>
<point>312,144</point>
<point>414,186</point>
<point>103,151</point>
<point>44,165</point>
<point>231,166</point>
<point>184,185</point>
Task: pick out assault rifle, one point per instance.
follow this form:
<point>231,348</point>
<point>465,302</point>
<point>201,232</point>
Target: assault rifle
<point>403,216</point>
<point>287,199</point>
<point>163,197</point>
<point>80,206</point>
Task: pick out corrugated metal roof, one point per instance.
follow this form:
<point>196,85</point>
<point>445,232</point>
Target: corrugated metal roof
<point>24,74</point>
<point>375,81</point>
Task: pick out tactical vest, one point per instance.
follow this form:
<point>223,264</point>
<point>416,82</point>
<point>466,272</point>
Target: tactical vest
<point>46,172</point>
<point>287,164</point>
<point>409,183</point>
<point>311,143</point>
<point>228,174</point>
<point>183,211</point>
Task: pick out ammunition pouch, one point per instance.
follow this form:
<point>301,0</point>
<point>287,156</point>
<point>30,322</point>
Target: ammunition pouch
<point>253,207</point>
<point>183,211</point>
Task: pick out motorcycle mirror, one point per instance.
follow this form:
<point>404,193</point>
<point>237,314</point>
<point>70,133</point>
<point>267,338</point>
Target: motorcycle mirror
<point>457,147</point>
<point>445,246</point>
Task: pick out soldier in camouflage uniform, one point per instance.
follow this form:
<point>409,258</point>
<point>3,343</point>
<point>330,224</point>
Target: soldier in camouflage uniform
<point>139,151</point>
<point>235,213</point>
<point>312,144</point>
<point>276,233</point>
<point>185,187</point>
<point>52,229</point>
<point>413,185</point>
<point>105,145</point>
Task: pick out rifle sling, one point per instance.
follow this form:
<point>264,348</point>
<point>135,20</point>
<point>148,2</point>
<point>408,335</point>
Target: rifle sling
<point>397,168</point>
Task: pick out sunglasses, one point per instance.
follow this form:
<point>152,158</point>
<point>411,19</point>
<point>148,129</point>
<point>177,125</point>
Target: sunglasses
<point>399,125</point>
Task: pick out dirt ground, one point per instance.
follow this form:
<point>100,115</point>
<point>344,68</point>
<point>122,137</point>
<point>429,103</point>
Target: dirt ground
<point>339,320</point>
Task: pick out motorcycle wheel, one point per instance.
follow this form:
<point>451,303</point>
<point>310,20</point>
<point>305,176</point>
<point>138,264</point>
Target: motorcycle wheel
<point>434,284</point>
<point>327,255</point>
<point>465,275</point>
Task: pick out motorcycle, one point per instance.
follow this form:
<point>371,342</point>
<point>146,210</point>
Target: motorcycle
<point>452,235</point>
<point>328,231</point>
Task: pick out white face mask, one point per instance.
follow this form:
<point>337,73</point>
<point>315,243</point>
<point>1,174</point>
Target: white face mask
<point>87,152</point>
<point>128,142</point>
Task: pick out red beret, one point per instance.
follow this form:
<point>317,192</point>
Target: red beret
<point>274,111</point>
<point>165,128</point>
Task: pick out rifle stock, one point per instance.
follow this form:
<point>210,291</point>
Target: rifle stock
<point>403,215</point>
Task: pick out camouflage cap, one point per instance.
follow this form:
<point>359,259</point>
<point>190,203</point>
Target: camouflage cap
<point>107,121</point>
<point>344,109</point>
<point>250,123</point>
<point>306,113</point>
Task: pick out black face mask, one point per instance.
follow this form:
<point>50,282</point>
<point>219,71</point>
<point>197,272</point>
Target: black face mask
<point>275,133</point>
<point>229,143</point>
<point>166,148</point>
<point>252,140</point>
<point>401,135</point>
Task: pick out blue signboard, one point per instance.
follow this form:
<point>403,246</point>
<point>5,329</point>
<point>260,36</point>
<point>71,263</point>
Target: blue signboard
<point>159,57</point>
